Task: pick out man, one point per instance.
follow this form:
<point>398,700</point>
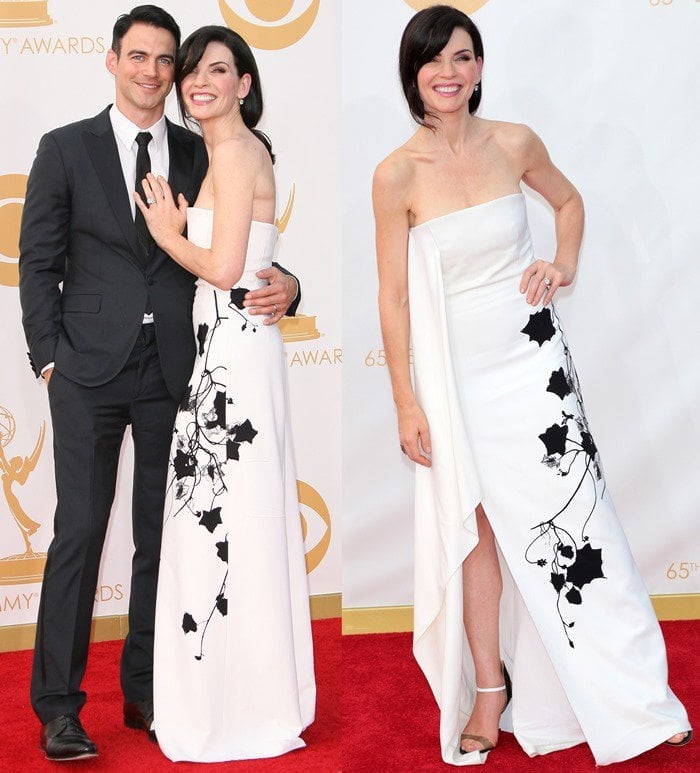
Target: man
<point>115,346</point>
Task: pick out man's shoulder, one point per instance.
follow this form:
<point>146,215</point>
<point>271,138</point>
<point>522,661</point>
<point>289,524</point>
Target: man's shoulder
<point>184,135</point>
<point>71,130</point>
<point>188,143</point>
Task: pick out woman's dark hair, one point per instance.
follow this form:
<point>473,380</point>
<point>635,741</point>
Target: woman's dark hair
<point>425,36</point>
<point>144,14</point>
<point>192,51</point>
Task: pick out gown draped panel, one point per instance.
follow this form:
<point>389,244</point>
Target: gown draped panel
<point>496,380</point>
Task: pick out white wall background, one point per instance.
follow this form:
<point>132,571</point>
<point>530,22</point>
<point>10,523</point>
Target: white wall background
<point>42,89</point>
<point>612,90</point>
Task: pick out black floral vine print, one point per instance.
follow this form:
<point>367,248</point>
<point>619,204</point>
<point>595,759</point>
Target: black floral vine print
<point>205,443</point>
<point>573,562</point>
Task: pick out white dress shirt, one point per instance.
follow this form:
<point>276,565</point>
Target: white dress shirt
<point>125,132</point>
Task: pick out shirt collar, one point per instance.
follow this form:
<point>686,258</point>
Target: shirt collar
<point>126,130</point>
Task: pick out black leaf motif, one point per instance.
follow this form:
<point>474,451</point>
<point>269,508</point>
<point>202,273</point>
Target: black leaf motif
<point>540,328</point>
<point>589,446</point>
<point>184,464</point>
<point>219,419</point>
<point>202,332</point>
<point>573,596</point>
<point>587,567</point>
<point>557,581</point>
<point>559,384</point>
<point>574,564</point>
<point>244,432</point>
<point>185,402</point>
<point>188,623</point>
<point>554,439</point>
<point>237,296</point>
<point>203,444</point>
<point>210,519</point>
<point>222,605</point>
<point>222,550</point>
<point>541,562</point>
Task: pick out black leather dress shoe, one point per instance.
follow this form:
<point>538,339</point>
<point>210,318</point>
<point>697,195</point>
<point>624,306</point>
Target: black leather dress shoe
<point>139,716</point>
<point>64,738</point>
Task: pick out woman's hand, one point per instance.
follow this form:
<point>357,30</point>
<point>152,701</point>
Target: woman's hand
<point>542,279</point>
<point>414,435</point>
<point>163,217</point>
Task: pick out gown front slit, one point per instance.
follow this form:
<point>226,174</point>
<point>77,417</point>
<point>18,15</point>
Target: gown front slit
<point>233,663</point>
<point>496,380</point>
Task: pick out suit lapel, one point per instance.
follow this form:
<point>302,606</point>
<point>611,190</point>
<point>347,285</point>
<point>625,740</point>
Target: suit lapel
<point>181,150</point>
<point>101,145</point>
<point>181,171</point>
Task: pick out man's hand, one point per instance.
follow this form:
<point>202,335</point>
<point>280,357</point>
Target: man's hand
<point>47,375</point>
<point>275,298</point>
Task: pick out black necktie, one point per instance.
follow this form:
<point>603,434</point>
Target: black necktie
<point>143,167</point>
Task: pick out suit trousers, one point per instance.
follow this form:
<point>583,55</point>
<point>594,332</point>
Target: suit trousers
<point>88,428</point>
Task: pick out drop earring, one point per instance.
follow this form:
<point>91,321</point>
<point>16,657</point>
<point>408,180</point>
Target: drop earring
<point>476,88</point>
<point>240,101</point>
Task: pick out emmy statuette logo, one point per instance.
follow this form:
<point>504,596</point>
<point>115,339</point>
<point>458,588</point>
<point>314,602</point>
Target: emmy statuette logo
<point>466,6</point>
<point>13,188</point>
<point>302,327</point>
<point>24,13</point>
<point>274,33</point>
<point>15,471</point>
<point>310,498</point>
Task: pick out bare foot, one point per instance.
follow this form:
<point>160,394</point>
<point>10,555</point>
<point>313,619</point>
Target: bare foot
<point>484,720</point>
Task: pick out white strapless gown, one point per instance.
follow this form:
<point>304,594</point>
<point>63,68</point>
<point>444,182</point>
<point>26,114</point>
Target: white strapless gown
<point>233,663</point>
<point>508,430</point>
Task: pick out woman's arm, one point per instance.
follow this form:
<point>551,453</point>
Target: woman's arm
<point>541,175</point>
<point>391,220</point>
<point>235,168</point>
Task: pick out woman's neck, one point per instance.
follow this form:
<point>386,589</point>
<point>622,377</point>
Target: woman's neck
<point>451,130</point>
<point>223,127</point>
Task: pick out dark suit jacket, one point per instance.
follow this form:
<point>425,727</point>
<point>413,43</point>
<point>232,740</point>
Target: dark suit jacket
<point>77,229</point>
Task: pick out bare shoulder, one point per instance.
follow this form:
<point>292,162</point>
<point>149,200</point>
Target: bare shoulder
<point>242,153</point>
<point>395,173</point>
<point>515,137</point>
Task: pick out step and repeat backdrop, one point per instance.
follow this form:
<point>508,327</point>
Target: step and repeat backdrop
<point>52,66</point>
<point>608,87</point>
<point>612,90</point>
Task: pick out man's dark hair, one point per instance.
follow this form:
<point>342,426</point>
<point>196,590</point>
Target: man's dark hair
<point>144,14</point>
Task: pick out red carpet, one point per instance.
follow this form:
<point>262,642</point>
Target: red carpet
<point>390,720</point>
<point>121,749</point>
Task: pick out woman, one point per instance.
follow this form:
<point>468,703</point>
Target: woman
<point>511,505</point>
<point>233,656</point>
